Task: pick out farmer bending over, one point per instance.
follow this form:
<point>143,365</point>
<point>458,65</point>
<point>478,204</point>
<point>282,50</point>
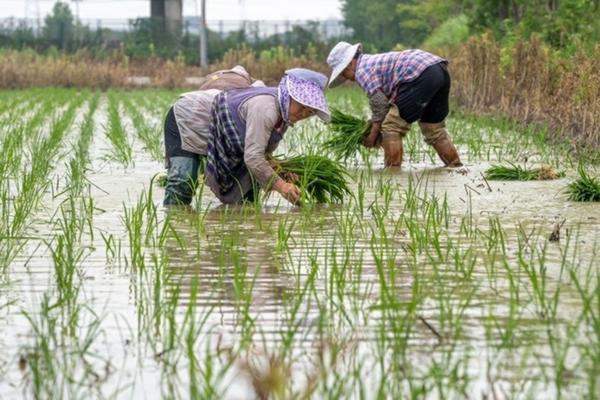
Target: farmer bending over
<point>225,79</point>
<point>234,131</point>
<point>416,82</point>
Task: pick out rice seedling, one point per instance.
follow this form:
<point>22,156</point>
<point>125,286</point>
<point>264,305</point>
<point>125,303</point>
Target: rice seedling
<point>34,181</point>
<point>412,288</point>
<point>517,173</point>
<point>121,148</point>
<point>151,135</point>
<point>322,180</point>
<point>584,188</point>
<point>349,132</point>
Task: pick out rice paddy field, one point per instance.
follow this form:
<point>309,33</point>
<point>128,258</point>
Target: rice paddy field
<point>424,283</point>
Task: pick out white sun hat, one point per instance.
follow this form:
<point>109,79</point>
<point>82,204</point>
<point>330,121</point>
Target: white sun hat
<point>338,59</point>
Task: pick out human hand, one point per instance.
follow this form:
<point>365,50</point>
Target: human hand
<point>289,191</point>
<point>289,177</point>
<point>372,139</point>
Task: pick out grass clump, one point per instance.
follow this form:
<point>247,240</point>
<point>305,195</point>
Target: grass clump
<point>584,188</point>
<point>349,132</point>
<point>518,173</point>
<point>322,180</point>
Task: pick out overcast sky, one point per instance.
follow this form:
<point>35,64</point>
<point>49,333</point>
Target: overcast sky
<point>216,9</point>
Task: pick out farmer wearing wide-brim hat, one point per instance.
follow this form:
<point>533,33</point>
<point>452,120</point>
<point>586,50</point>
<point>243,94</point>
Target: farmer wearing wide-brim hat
<point>234,131</point>
<point>403,87</point>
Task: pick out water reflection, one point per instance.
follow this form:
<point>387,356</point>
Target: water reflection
<point>233,259</point>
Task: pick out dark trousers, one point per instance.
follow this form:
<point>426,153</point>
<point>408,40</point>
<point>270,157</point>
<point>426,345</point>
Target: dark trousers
<point>184,167</point>
<point>426,98</point>
<point>182,175</point>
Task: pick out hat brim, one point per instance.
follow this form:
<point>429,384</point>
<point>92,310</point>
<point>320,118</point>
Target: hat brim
<point>323,114</point>
<point>314,100</point>
<point>337,78</point>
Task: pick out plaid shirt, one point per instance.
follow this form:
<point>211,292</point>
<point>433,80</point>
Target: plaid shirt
<point>386,71</point>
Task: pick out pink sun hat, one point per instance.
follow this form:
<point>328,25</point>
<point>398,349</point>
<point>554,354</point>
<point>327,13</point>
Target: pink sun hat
<point>307,88</point>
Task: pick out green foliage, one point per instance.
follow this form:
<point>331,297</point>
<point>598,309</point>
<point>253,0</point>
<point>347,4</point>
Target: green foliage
<point>149,38</point>
<point>383,24</point>
<point>585,188</point>
<point>436,23</point>
<point>322,180</point>
<point>517,173</point>
<point>59,26</point>
<point>349,132</point>
<point>452,32</point>
<point>376,24</point>
<point>559,23</point>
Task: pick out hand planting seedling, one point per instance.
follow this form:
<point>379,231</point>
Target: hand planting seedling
<point>322,180</point>
<point>518,173</point>
<point>349,133</point>
<point>584,188</point>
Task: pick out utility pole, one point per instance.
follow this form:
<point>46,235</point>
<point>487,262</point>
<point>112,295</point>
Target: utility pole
<point>203,36</point>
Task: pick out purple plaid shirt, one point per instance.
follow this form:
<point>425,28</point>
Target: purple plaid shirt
<point>386,71</point>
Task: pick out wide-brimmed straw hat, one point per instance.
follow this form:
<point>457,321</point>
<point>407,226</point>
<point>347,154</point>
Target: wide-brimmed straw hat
<point>338,59</point>
<point>307,88</point>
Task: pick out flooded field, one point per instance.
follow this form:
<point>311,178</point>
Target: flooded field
<point>427,283</point>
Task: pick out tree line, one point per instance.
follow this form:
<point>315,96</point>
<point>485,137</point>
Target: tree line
<point>380,25</point>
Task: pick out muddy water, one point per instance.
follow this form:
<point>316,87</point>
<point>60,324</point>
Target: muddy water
<point>249,282</point>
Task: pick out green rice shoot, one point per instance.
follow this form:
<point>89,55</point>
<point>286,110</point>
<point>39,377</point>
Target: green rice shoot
<point>349,132</point>
<point>584,188</point>
<point>515,172</point>
<point>321,179</point>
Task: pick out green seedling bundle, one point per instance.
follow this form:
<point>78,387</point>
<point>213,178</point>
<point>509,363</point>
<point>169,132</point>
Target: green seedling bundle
<point>320,178</point>
<point>585,187</point>
<point>515,172</point>
<point>348,134</point>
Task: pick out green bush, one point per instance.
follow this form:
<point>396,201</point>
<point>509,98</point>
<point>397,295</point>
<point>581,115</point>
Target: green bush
<point>452,32</point>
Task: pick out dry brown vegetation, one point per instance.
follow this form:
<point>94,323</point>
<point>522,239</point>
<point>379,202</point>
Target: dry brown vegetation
<point>527,82</point>
<point>21,69</point>
<point>28,69</point>
<point>531,83</point>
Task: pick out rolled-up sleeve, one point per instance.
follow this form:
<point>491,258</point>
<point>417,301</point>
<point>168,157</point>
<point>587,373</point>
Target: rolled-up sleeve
<point>379,104</point>
<point>262,115</point>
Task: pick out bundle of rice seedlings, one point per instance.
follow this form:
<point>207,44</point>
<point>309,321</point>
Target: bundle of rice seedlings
<point>518,173</point>
<point>585,188</point>
<point>322,180</point>
<point>349,132</point>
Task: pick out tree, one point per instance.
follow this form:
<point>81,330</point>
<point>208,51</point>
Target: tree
<point>381,25</point>
<point>375,23</point>
<point>558,22</point>
<point>59,26</point>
